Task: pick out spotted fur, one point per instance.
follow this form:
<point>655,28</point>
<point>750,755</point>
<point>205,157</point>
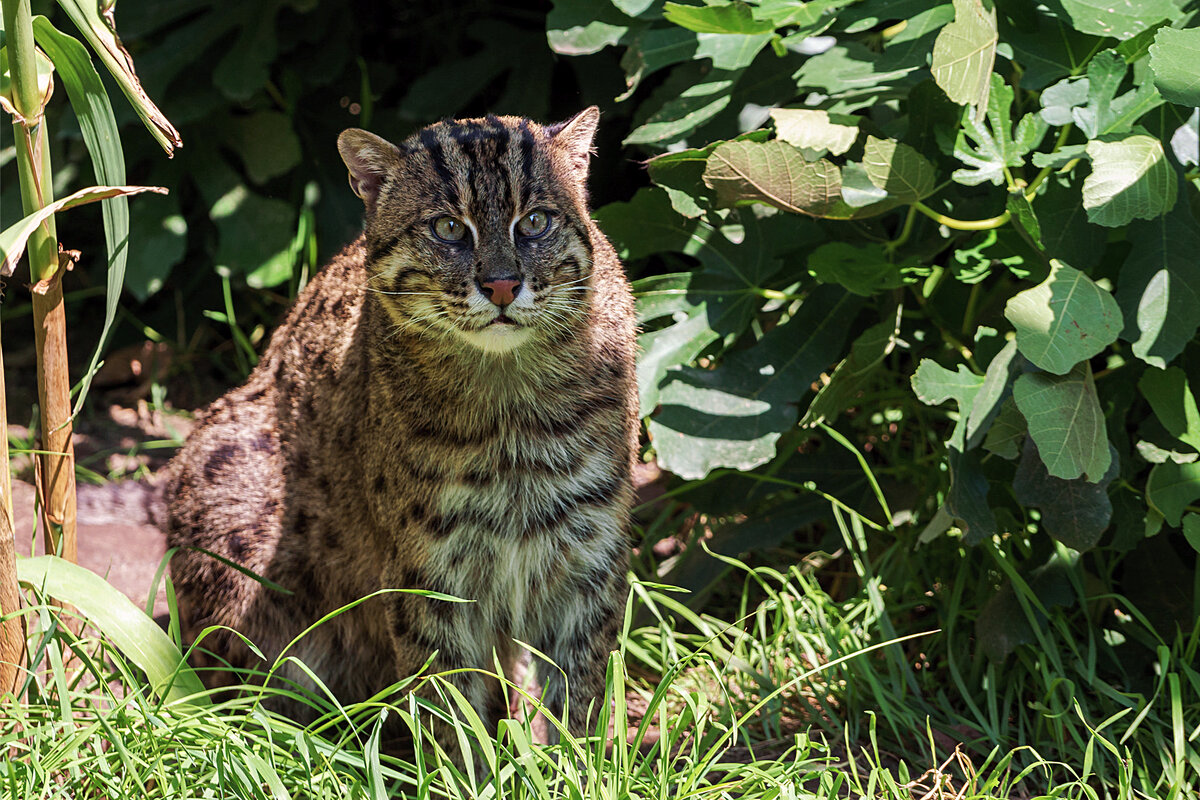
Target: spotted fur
<point>395,435</point>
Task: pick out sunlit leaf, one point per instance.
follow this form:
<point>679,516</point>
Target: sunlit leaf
<point>774,173</point>
<point>898,169</point>
<point>813,130</point>
<point>95,21</point>
<point>1130,180</point>
<point>964,53</point>
<point>717,17</point>
<point>1173,59</point>
<point>13,239</point>
<point>1120,20</point>
<point>1064,320</point>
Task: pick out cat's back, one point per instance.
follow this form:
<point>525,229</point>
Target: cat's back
<point>227,488</point>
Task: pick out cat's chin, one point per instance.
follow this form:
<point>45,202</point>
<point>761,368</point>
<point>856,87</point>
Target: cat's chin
<point>497,339</point>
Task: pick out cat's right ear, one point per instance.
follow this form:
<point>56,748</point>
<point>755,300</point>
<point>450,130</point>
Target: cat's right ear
<point>369,159</point>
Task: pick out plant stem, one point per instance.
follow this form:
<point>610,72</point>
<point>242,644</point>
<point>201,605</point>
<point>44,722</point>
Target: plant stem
<point>12,630</point>
<point>962,225</point>
<point>905,231</point>
<point>49,313</point>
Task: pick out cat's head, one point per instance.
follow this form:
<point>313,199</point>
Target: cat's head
<point>477,229</point>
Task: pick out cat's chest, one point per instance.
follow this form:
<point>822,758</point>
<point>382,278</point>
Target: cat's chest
<point>517,543</point>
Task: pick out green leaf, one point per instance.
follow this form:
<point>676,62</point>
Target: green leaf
<point>647,224</point>
<point>1103,113</point>
<point>1063,320</point>
<point>964,53</point>
<point>13,239</point>
<point>134,633</point>
<point>1185,142</point>
<point>898,169</point>
<point>157,242</point>
<point>967,499</point>
<point>1159,286</point>
<point>1173,403</point>
<point>266,144</point>
<point>1120,20</point>
<point>1003,625</point>
<point>245,65</point>
<point>254,236</point>
<point>580,27</point>
<point>856,76</point>
<point>1006,432</point>
<point>652,50</point>
<point>934,384</point>
<point>1191,530</point>
<point>681,174</point>
<point>732,416</point>
<point>1154,454</point>
<point>1173,59</point>
<point>989,149</point>
<point>717,17</point>
<point>1171,488</point>
<point>1022,211</point>
<point>1066,233</point>
<point>853,373</point>
<point>1046,46</point>
<point>709,305</point>
<point>697,104</point>
<point>774,173</point>
<point>96,26</point>
<point>89,101</point>
<point>1074,512</point>
<point>861,270</point>
<point>1065,422</point>
<point>1060,100</point>
<point>1130,179</point>
<point>814,132</point>
<point>992,392</point>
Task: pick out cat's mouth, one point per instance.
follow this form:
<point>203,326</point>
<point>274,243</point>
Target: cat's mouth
<point>503,319</point>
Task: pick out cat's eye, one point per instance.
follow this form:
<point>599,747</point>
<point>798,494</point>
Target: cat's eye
<point>449,229</point>
<point>533,224</point>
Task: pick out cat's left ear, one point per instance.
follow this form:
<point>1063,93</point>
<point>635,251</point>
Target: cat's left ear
<point>575,137</point>
<point>369,159</point>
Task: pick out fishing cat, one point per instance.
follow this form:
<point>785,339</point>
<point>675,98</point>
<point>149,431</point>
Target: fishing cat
<point>450,405</point>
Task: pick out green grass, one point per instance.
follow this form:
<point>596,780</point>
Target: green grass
<point>791,694</point>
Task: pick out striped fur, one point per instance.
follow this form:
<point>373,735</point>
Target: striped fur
<point>392,438</point>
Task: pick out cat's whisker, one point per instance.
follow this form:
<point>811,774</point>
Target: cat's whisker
<point>385,291</point>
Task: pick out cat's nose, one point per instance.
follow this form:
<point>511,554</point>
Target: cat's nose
<point>501,291</point>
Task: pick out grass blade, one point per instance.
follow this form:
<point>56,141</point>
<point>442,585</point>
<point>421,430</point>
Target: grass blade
<point>135,634</point>
<point>98,28</point>
<point>90,102</point>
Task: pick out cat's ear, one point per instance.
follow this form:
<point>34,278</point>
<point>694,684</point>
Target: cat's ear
<point>369,159</point>
<point>575,137</point>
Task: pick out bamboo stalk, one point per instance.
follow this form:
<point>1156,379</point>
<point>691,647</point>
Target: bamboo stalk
<point>57,485</point>
<point>12,632</point>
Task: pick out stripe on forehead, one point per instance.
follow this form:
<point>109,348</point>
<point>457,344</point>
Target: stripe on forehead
<point>527,144</point>
<point>485,148</point>
<point>437,157</point>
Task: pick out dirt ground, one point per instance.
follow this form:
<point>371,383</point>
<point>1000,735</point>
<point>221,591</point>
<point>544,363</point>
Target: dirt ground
<point>118,537</point>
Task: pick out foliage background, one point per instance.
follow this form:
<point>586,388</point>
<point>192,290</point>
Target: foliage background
<point>890,304</point>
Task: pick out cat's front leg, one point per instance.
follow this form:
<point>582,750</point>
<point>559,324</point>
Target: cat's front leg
<point>420,626</point>
<point>579,642</point>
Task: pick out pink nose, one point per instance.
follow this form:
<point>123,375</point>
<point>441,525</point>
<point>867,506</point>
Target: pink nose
<point>501,291</point>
